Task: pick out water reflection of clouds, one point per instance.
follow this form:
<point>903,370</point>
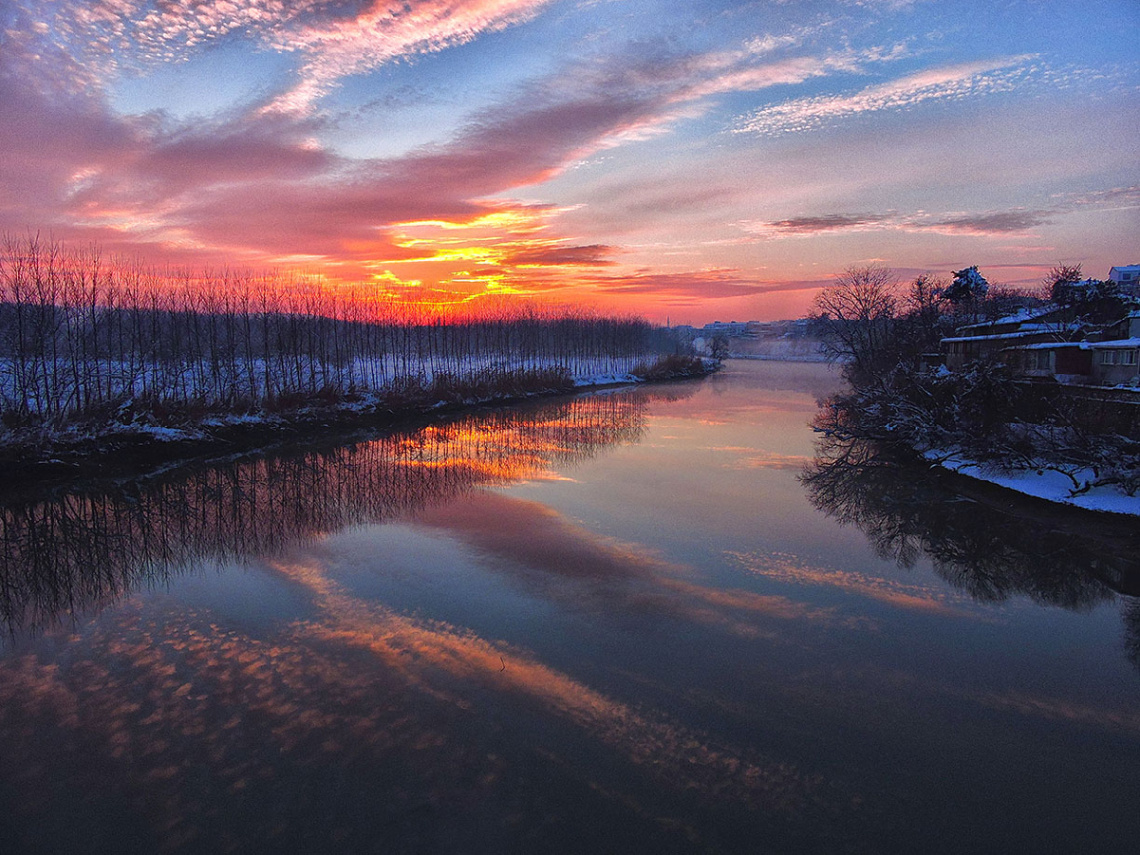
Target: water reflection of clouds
<point>789,568</point>
<point>760,605</point>
<point>1057,709</point>
<point>153,693</point>
<point>167,700</point>
<point>565,560</point>
<point>771,460</point>
<point>420,650</point>
<point>1026,702</point>
<point>981,544</point>
<point>163,697</point>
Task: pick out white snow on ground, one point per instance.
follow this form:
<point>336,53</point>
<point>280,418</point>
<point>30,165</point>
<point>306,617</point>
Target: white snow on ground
<point>163,434</point>
<point>209,384</point>
<point>593,376</point>
<point>605,379</point>
<point>1045,484</point>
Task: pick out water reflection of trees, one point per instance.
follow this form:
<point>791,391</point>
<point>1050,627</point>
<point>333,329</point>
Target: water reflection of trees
<point>993,552</point>
<point>83,548</point>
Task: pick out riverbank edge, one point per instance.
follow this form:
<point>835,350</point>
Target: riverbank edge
<point>123,451</point>
<point>1034,492</point>
<point>1027,482</point>
<point>975,478</point>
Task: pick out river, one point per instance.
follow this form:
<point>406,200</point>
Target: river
<point>661,619</point>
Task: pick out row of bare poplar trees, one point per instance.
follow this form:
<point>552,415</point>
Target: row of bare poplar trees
<point>83,336</point>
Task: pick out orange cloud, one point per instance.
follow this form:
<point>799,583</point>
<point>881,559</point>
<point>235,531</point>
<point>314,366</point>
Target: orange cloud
<point>786,568</point>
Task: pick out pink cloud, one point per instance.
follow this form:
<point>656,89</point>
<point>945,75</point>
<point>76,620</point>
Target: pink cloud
<point>697,284</point>
<point>980,224</point>
<point>556,256</point>
<point>258,185</point>
<point>542,129</point>
<point>384,31</point>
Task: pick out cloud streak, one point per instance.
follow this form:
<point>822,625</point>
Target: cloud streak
<point>912,597</point>
<point>952,82</point>
<point>984,224</point>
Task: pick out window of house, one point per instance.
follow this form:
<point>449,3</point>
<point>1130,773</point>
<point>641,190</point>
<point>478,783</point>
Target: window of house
<point>1108,357</point>
<point>1128,357</point>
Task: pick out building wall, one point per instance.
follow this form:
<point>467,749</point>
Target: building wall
<point>1116,367</point>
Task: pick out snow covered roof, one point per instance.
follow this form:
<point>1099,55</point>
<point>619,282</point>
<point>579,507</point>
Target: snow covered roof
<point>1113,344</point>
<point>1020,316</point>
<point>1049,345</point>
<point>999,336</point>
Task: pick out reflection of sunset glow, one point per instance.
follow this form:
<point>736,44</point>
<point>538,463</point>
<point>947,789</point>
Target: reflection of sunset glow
<point>786,568</point>
<point>765,605</point>
<point>575,564</point>
<point>752,458</point>
<point>416,648</point>
<point>187,694</point>
<point>1056,709</point>
<point>500,472</point>
<point>775,461</point>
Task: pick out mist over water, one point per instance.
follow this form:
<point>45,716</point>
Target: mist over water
<point>662,619</point>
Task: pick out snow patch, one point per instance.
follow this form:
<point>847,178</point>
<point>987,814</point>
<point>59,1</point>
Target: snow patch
<point>1048,484</point>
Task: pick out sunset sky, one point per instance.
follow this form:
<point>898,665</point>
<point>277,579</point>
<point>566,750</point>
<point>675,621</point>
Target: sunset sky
<point>689,159</point>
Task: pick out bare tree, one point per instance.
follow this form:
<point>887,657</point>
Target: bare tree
<point>1059,281</point>
<point>858,313</point>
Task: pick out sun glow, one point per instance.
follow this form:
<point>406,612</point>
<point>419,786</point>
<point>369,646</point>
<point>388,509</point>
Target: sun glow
<point>495,254</point>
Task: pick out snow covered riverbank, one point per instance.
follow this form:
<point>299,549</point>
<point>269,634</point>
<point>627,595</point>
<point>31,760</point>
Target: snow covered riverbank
<point>141,439</point>
<point>1066,487</point>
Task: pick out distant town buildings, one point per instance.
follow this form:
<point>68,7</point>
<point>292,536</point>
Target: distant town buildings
<point>787,340</point>
<point>748,329</point>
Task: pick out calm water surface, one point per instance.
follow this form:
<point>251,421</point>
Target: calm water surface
<point>659,620</point>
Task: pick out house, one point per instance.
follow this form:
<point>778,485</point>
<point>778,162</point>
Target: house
<point>1115,352</point>
<point>1043,346</point>
<point>1027,327</point>
<point>1061,361</point>
<point>1115,362</point>
<point>1127,277</point>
